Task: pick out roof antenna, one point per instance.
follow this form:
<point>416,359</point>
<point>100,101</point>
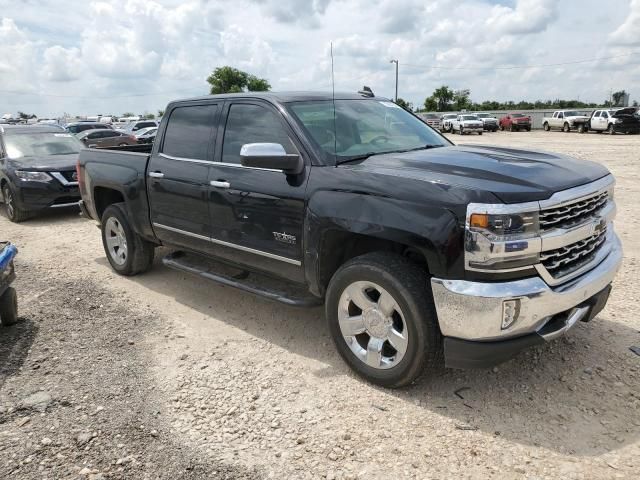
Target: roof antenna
<point>333,99</point>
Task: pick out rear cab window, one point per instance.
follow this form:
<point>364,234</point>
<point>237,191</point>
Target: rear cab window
<point>189,131</point>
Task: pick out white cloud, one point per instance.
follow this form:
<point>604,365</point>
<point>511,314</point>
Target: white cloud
<point>525,18</point>
<point>117,55</point>
<point>629,32</point>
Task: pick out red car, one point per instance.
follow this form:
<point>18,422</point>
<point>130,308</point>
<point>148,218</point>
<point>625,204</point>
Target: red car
<point>515,121</point>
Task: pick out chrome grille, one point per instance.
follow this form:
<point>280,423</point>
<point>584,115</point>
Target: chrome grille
<point>573,213</point>
<point>565,260</point>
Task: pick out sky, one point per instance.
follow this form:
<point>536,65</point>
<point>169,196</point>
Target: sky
<point>87,57</point>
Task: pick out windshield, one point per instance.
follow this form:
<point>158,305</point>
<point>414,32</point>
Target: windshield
<point>469,117</point>
<point>363,127</point>
<point>483,115</point>
<point>41,144</point>
<point>517,115</point>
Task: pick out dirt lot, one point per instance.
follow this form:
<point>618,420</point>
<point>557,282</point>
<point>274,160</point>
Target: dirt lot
<point>164,376</point>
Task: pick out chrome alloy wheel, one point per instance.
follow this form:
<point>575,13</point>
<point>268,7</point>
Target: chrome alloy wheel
<point>8,199</point>
<point>373,325</point>
<point>116,240</point>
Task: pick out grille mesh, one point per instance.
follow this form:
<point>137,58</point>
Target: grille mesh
<point>574,213</point>
<point>565,260</point>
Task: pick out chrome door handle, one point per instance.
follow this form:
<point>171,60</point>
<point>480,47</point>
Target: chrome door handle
<point>156,174</point>
<point>219,184</point>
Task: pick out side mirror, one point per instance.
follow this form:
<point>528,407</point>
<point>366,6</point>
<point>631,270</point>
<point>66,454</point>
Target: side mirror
<point>271,156</point>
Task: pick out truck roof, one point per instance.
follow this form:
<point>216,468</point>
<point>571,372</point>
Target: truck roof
<point>284,97</point>
<point>42,128</point>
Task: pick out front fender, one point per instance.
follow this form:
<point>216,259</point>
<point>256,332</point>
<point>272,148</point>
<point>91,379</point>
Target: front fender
<point>431,230</point>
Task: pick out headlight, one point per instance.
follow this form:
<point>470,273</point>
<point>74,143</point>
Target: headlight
<point>499,239</point>
<point>33,176</point>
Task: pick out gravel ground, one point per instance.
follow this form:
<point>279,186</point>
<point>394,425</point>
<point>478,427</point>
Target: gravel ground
<point>165,376</point>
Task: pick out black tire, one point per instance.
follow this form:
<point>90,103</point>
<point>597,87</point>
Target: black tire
<point>581,128</point>
<point>546,126</point>
<point>13,211</point>
<point>9,307</point>
<point>479,133</point>
<point>512,128</point>
<point>528,129</point>
<point>610,129</point>
<point>139,252</point>
<point>566,128</point>
<point>408,284</point>
<point>501,127</point>
<point>461,130</point>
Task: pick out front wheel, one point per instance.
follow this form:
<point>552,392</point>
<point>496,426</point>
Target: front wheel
<point>581,129</point>
<point>610,129</point>
<point>9,307</point>
<point>546,127</point>
<point>14,212</point>
<point>127,252</point>
<point>382,319</point>
<point>461,130</point>
<point>501,128</point>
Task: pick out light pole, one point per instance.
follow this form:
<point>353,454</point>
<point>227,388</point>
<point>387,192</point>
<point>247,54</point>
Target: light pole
<point>396,62</point>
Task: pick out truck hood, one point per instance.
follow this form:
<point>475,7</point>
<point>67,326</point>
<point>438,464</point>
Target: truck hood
<point>512,175</point>
<point>45,163</point>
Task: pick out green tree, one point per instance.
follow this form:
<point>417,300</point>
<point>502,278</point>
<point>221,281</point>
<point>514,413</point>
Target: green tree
<point>442,98</point>
<point>461,100</point>
<point>618,98</point>
<point>231,80</point>
<point>160,113</point>
<point>128,114</point>
<point>148,116</point>
<point>404,104</point>
<point>255,84</point>
<point>430,104</point>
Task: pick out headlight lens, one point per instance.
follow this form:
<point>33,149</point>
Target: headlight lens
<point>33,176</point>
<point>505,226</point>
<point>501,240</point>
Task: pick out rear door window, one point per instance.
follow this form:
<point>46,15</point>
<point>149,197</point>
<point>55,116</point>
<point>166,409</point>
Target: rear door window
<point>189,132</point>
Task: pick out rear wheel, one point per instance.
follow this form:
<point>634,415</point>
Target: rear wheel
<point>9,307</point>
<point>479,133</point>
<point>610,129</point>
<point>127,252</point>
<point>566,128</point>
<point>14,212</point>
<point>461,130</point>
<point>512,128</point>
<point>382,319</point>
<point>581,128</point>
<point>501,127</point>
<point>528,129</point>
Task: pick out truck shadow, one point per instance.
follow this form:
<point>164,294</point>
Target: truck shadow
<point>15,343</point>
<point>565,396</point>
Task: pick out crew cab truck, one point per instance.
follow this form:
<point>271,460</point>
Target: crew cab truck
<point>514,122</point>
<point>566,120</point>
<point>622,120</point>
<point>420,250</point>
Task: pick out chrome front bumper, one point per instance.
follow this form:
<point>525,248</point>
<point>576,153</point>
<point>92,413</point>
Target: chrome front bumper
<point>474,310</point>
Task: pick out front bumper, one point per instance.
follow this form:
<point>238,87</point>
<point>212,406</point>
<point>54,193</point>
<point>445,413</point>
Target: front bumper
<point>472,312</point>
<point>35,196</point>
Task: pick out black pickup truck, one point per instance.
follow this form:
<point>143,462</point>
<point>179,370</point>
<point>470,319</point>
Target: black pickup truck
<point>421,250</point>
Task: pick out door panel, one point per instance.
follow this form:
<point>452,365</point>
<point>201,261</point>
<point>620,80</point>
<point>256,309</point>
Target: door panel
<point>258,219</point>
<point>177,177</point>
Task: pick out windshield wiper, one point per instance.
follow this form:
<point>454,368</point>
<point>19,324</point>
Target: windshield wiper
<point>423,147</point>
<point>364,156</point>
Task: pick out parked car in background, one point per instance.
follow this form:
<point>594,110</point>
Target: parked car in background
<point>146,135</point>
<point>623,120</point>
<point>135,126</point>
<point>566,120</point>
<point>445,121</point>
<point>419,249</point>
<point>431,119</point>
<point>79,127</point>
<point>37,169</point>
<point>467,123</point>
<point>515,122</point>
<point>489,121</point>
<point>106,138</point>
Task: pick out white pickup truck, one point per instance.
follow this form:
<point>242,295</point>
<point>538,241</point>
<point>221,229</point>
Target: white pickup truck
<point>566,120</point>
<point>466,124</point>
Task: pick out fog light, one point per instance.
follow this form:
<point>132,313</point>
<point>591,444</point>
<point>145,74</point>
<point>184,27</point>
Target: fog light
<point>510,312</point>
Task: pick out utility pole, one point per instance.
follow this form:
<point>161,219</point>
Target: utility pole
<point>396,62</point>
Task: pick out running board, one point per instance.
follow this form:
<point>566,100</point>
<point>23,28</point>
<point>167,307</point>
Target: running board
<point>272,289</point>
